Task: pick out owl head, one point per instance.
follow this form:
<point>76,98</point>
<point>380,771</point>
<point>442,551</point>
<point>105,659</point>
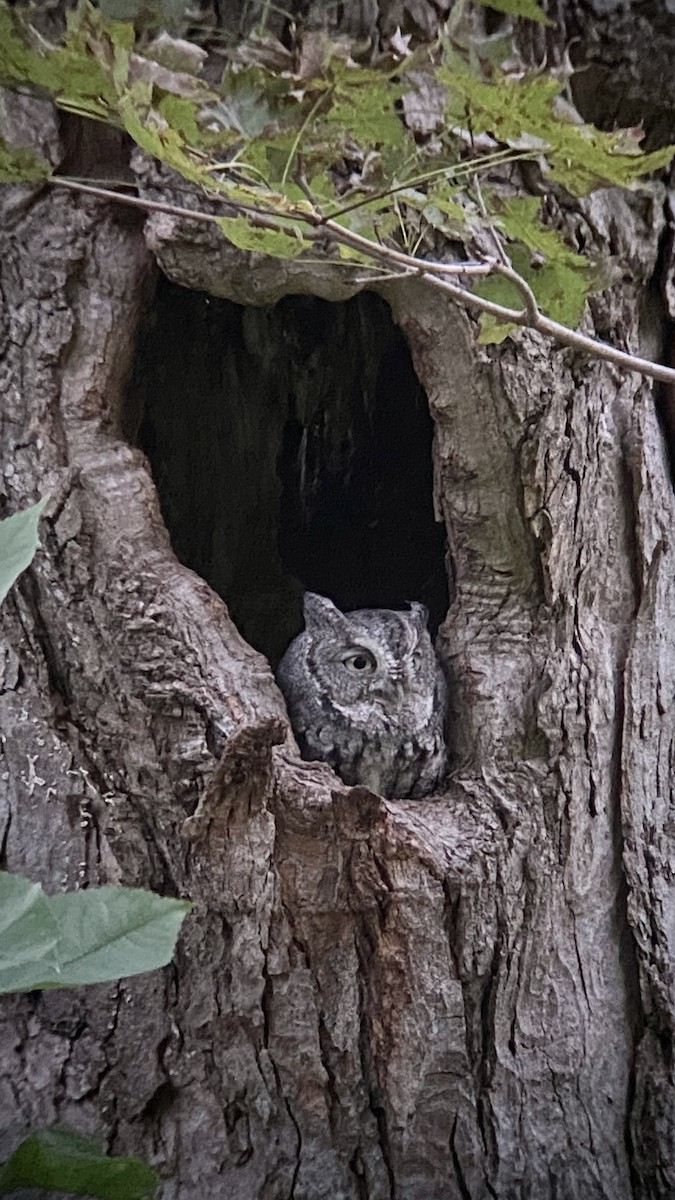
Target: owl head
<point>374,655</point>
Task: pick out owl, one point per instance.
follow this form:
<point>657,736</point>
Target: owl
<point>365,693</point>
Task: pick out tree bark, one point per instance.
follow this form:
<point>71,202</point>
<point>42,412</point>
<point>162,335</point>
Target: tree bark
<point>468,996</point>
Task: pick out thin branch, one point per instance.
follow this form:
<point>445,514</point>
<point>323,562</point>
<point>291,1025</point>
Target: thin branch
<point>298,137</point>
<point>383,277</point>
<point>435,274</point>
<point>510,316</point>
<point>261,218</point>
<point>388,254</point>
<point>268,219</point>
<point>532,311</point>
<point>499,158</point>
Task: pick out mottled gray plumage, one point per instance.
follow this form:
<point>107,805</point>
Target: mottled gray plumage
<point>365,693</point>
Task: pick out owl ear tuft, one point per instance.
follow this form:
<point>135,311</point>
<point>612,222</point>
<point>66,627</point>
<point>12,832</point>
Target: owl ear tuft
<point>419,613</point>
<point>319,610</point>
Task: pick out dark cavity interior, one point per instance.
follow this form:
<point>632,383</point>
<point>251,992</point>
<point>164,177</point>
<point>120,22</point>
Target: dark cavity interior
<point>291,448</point>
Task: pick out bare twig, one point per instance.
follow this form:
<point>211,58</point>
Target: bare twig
<point>267,219</point>
<point>298,137</point>
<point>531,307</point>
<point>382,276</point>
<point>435,274</point>
<point>449,173</point>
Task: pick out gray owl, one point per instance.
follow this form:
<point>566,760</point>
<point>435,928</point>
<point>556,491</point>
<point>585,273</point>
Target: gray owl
<point>365,693</point>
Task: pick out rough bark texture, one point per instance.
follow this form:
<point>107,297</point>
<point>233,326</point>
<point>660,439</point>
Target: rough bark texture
<point>471,996</point>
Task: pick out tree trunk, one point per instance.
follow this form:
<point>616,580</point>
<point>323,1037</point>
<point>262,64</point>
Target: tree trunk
<point>468,996</point>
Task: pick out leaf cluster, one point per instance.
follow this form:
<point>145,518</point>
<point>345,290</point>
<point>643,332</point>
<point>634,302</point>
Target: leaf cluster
<point>413,150</point>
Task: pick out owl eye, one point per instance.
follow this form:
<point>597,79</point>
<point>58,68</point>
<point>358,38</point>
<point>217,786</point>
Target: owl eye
<point>360,663</point>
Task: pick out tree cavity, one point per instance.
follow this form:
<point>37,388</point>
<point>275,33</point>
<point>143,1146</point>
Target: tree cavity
<point>291,449</point>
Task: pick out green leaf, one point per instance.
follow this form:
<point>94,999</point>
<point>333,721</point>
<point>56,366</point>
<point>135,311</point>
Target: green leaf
<point>18,63</point>
<point>18,543</point>
<point>499,291</point>
<point>67,1162</point>
<point>78,73</point>
<point>493,331</point>
<point>521,113</point>
<point>518,216</point>
<point>247,104</point>
<point>181,115</point>
<point>150,131</point>
<point>19,165</point>
<point>560,284</point>
<point>278,243</point>
<point>29,935</point>
<point>77,938</point>
<point>561,292</point>
<point>560,278</point>
<point>520,8</point>
<point>363,105</point>
<point>356,257</point>
<point>109,932</point>
<point>272,156</point>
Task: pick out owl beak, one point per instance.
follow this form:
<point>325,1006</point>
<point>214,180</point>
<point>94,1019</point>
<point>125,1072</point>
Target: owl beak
<point>390,690</point>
